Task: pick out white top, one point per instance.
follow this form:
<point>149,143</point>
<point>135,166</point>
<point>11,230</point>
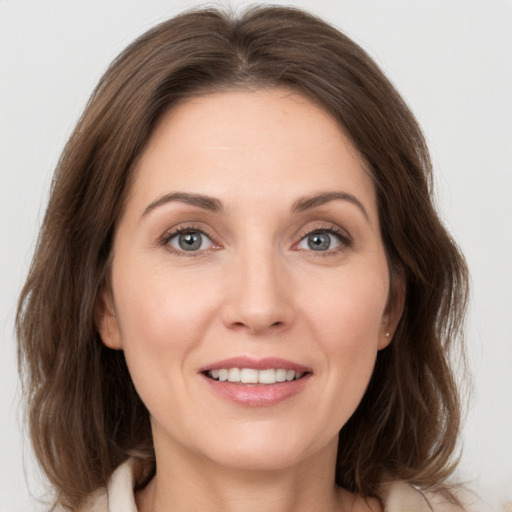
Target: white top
<point>396,496</point>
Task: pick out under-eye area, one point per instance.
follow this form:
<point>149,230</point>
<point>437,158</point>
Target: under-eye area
<point>253,376</point>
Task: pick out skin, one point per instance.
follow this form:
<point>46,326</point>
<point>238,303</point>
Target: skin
<point>255,288</point>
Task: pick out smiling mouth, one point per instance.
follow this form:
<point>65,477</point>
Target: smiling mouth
<point>253,376</point>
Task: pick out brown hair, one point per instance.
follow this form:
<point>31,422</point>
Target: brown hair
<point>85,416</point>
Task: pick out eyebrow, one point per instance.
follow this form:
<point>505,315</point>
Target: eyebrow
<point>306,203</point>
<point>214,205</point>
<point>199,200</point>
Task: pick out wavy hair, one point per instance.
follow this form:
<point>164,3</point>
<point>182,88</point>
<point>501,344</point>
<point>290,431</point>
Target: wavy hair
<point>84,415</point>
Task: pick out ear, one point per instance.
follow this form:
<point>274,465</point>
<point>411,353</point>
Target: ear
<point>106,321</point>
<point>393,312</point>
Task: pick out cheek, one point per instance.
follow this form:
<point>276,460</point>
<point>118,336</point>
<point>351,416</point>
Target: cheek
<point>349,311</point>
<point>161,320</point>
<point>347,326</point>
<point>160,324</point>
<point>159,310</point>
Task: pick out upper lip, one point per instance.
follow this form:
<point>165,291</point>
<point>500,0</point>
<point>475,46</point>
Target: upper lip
<point>256,364</point>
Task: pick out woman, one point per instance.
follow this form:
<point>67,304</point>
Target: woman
<point>242,295</point>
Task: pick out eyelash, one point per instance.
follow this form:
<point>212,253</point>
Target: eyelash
<point>344,239</point>
<point>167,237</point>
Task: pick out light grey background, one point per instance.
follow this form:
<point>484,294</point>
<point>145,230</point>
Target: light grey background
<point>451,60</point>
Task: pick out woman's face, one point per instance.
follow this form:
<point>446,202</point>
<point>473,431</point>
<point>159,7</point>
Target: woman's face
<point>249,250</point>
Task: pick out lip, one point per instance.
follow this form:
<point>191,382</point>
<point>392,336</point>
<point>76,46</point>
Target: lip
<point>256,395</point>
<point>256,364</point>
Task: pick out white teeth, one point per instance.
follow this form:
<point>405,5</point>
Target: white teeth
<point>248,376</point>
<point>252,376</point>
<point>267,376</point>
<point>280,375</point>
<point>234,375</point>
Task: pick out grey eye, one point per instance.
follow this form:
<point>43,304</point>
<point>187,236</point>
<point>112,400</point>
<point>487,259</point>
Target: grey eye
<point>320,241</point>
<point>190,241</point>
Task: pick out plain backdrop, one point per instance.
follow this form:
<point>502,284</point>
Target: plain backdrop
<point>451,60</point>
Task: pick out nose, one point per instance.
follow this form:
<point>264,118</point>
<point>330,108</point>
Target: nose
<point>259,294</point>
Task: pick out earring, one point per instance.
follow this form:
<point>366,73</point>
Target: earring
<point>112,313</point>
<point>108,329</point>
<point>386,335</point>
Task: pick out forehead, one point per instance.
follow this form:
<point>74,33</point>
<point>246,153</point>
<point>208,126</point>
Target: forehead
<point>257,145</point>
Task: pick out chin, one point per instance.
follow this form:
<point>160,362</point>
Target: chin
<point>266,451</point>
<point>246,459</point>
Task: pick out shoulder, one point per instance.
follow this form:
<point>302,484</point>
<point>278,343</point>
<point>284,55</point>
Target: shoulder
<point>400,496</point>
<point>117,496</point>
<point>396,496</point>
<point>96,502</point>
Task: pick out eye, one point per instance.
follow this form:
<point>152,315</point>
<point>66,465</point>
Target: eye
<point>322,240</point>
<point>189,240</point>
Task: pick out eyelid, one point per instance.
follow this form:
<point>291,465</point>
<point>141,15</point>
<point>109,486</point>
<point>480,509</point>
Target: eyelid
<point>187,228</point>
<point>343,236</point>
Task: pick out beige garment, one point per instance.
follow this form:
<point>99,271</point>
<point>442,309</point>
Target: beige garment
<point>397,496</point>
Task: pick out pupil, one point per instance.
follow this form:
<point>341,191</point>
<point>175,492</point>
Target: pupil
<point>190,241</point>
<point>319,241</point>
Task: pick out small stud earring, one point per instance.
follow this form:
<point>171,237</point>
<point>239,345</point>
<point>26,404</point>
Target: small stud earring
<point>386,335</point>
<point>112,313</point>
<point>108,329</point>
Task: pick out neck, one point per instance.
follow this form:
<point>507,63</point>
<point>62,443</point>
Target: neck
<point>186,482</point>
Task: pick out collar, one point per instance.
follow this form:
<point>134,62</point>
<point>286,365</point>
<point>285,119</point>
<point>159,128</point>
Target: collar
<point>397,496</point>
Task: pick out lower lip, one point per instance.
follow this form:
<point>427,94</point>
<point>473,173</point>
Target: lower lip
<point>257,395</point>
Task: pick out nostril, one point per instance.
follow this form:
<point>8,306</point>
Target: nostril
<point>275,324</point>
<point>267,317</point>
